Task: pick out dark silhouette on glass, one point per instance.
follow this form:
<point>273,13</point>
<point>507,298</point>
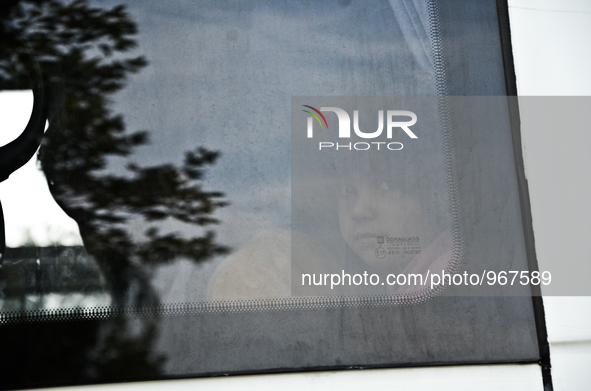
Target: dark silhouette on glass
<point>17,153</point>
<point>81,54</point>
<point>79,50</point>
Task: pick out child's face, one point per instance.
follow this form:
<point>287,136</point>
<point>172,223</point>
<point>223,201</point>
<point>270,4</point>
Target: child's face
<point>372,210</point>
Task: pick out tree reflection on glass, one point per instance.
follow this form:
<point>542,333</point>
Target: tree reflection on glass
<point>80,50</point>
<point>82,54</point>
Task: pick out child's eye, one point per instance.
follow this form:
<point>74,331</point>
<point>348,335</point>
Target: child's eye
<point>347,190</point>
<point>386,186</point>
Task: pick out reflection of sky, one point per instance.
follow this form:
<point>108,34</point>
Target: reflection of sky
<point>223,77</point>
